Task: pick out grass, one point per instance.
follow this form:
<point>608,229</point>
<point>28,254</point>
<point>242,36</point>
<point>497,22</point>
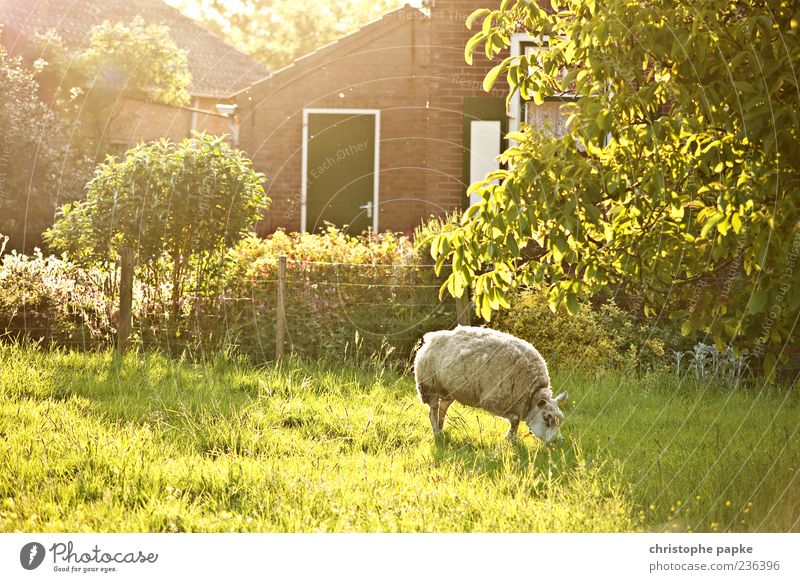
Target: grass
<point>88,443</point>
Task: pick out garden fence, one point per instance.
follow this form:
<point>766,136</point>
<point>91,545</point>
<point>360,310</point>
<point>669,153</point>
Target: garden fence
<point>316,309</point>
<point>312,308</point>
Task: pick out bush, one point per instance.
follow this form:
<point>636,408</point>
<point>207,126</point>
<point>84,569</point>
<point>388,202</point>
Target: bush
<point>366,298</point>
<point>431,228</point>
<point>38,167</point>
<point>707,362</point>
<point>603,336</point>
<point>51,300</point>
<point>179,205</point>
<point>346,294</point>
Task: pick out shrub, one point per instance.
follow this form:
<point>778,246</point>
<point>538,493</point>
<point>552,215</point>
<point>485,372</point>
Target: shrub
<point>180,205</point>
<point>707,362</point>
<point>51,300</point>
<point>430,229</point>
<point>603,336</point>
<point>37,165</point>
<point>345,294</point>
<point>366,298</point>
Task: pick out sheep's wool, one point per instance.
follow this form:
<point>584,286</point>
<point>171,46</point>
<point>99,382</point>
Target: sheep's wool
<point>481,367</point>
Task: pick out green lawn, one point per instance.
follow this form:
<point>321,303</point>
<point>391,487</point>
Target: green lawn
<point>152,444</point>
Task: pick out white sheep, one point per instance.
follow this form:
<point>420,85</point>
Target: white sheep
<point>491,370</point>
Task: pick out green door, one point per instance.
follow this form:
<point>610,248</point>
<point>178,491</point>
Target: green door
<point>340,175</point>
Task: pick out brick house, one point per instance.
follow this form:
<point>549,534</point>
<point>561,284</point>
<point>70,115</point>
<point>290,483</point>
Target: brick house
<point>218,70</point>
<point>382,128</point>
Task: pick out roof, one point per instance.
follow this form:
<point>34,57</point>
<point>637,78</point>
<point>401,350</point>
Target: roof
<point>397,17</point>
<point>217,68</point>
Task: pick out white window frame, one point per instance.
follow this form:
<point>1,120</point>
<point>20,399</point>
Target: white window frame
<point>304,166</point>
<point>518,40</point>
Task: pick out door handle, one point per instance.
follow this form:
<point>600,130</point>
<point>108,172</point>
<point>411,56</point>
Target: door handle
<point>368,208</point>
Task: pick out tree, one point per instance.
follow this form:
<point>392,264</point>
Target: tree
<point>677,181</point>
<point>37,169</point>
<point>120,60</point>
<point>181,202</point>
<point>279,31</point>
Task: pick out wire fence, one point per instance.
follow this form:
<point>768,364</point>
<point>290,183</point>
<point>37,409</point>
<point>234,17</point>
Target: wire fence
<point>330,310</point>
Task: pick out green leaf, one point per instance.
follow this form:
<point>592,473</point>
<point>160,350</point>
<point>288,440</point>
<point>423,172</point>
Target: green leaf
<point>470,47</point>
<point>592,212</point>
<point>475,15</point>
<point>572,304</point>
<point>485,309</point>
<point>443,288</point>
<point>491,77</point>
<point>710,223</point>
<point>603,120</point>
<point>511,243</point>
<point>486,27</point>
<point>558,247</point>
<point>552,299</point>
<point>757,301</point>
<point>736,222</point>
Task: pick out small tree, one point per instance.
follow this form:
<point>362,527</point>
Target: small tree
<point>38,170</point>
<point>120,60</point>
<point>183,203</point>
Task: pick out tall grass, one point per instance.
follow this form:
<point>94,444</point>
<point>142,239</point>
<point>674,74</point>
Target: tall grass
<point>145,443</point>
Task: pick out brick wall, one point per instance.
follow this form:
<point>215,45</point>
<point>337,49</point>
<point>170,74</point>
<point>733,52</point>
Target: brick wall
<point>147,121</point>
<point>415,73</point>
<point>370,71</point>
<point>451,80</point>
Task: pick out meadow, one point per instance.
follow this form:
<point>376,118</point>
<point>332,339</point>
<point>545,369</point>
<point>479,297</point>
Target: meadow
<point>90,442</point>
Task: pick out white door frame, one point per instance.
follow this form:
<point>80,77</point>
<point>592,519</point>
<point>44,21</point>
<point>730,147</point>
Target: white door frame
<point>304,169</point>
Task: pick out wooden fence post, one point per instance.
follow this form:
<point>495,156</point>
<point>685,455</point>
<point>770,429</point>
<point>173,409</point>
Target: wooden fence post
<point>280,320</point>
<point>125,297</point>
<point>463,315</point>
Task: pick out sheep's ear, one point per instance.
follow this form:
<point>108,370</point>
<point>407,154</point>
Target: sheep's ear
<point>561,397</point>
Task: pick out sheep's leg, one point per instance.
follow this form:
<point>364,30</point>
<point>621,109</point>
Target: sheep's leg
<point>513,422</point>
<point>434,416</point>
<point>443,406</point>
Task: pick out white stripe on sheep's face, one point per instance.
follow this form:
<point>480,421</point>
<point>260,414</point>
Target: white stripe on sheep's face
<point>546,417</point>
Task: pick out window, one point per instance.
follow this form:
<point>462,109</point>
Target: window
<point>548,116</point>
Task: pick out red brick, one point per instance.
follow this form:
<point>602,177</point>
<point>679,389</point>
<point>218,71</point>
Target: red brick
<point>413,71</point>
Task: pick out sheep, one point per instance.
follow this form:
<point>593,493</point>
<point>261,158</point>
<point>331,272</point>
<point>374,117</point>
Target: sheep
<point>487,369</point>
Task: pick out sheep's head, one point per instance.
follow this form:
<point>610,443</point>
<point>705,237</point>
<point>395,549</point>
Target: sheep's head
<point>546,417</point>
